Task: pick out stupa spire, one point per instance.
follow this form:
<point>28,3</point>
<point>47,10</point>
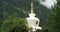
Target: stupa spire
<point>32,8</point>
<point>33,22</point>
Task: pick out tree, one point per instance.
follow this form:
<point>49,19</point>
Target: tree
<point>54,19</point>
<point>22,8</point>
<point>12,23</point>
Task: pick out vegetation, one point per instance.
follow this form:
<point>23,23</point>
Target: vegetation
<point>11,24</point>
<point>14,12</point>
<point>54,19</point>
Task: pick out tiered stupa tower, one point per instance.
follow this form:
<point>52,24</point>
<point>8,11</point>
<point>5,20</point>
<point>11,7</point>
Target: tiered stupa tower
<point>33,22</point>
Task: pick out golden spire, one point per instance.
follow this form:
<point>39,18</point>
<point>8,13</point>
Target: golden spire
<point>32,8</point>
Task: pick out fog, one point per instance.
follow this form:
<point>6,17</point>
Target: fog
<point>48,3</point>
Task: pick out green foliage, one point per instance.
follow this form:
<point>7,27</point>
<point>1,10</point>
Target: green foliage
<point>22,8</point>
<point>54,19</point>
<point>12,22</point>
<point>14,12</point>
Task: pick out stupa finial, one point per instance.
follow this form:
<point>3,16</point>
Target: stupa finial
<point>32,7</point>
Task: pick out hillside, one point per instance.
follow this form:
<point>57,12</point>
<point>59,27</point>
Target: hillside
<point>21,8</point>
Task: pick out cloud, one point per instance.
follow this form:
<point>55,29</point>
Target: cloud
<point>48,3</point>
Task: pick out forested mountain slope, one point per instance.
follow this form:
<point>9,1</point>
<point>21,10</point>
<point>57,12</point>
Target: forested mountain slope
<point>21,8</point>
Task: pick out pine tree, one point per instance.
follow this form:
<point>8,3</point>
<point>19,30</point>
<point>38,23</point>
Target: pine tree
<point>54,19</point>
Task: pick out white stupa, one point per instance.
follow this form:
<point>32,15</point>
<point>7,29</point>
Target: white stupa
<point>33,22</point>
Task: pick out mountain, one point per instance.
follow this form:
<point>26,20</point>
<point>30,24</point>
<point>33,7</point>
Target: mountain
<point>21,8</point>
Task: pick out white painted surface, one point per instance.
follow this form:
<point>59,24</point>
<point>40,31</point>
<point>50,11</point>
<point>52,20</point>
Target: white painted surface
<point>31,20</point>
